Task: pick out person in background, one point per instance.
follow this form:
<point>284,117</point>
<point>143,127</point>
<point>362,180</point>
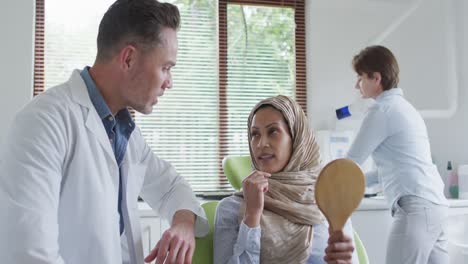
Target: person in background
<point>394,133</point>
<point>75,163</point>
<point>275,219</point>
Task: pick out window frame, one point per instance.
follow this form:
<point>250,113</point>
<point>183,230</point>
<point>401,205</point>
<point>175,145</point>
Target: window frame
<point>300,60</point>
<point>300,56</point>
<point>39,48</point>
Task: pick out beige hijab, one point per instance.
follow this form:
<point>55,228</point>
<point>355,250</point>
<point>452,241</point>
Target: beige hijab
<point>290,210</point>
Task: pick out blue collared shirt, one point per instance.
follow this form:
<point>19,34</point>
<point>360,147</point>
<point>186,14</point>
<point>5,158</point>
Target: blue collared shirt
<point>118,129</point>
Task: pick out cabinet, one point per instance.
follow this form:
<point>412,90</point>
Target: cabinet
<point>152,227</point>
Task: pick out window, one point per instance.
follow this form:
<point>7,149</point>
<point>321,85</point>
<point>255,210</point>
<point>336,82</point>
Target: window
<point>231,55</point>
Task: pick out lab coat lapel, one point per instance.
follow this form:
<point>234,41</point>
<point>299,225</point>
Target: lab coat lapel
<point>93,123</point>
<point>95,127</point>
<point>130,177</point>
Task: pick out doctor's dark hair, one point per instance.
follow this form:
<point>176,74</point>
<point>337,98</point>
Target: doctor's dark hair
<point>134,22</point>
<point>378,59</point>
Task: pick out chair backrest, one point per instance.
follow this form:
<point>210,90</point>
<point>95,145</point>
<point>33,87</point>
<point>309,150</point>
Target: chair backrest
<point>360,249</point>
<point>236,168</point>
<point>203,253</point>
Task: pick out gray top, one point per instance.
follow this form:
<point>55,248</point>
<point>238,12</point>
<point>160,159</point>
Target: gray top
<point>239,244</point>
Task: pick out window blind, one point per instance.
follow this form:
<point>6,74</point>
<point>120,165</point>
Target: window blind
<point>183,127</point>
<point>231,55</point>
<point>262,54</point>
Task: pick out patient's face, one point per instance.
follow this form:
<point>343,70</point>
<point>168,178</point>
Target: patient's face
<point>271,141</point>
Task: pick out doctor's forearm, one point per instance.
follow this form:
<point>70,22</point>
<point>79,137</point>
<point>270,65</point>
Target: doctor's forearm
<point>184,217</point>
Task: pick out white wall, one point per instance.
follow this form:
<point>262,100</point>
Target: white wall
<point>449,136</point>
<point>339,29</point>
<point>16,69</point>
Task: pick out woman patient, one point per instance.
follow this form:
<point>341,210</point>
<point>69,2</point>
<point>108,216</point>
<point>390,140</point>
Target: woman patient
<point>275,219</point>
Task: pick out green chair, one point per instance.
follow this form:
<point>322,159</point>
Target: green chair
<point>360,249</point>
<point>236,168</point>
<point>203,253</point>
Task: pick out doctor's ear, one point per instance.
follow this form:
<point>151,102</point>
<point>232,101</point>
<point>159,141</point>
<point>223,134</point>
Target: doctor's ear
<point>377,77</point>
<point>127,57</point>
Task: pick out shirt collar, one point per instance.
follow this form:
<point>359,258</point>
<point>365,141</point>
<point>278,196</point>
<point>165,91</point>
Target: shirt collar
<point>96,97</point>
<point>102,109</point>
<point>391,92</point>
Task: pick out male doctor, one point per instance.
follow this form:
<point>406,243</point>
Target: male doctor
<point>74,162</point>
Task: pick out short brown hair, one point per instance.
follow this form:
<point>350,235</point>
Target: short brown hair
<point>378,59</point>
<point>135,22</point>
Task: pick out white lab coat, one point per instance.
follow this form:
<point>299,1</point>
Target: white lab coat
<point>59,185</point>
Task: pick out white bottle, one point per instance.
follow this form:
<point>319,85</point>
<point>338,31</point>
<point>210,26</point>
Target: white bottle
<point>356,109</point>
<point>350,117</point>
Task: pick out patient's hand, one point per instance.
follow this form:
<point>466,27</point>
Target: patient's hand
<point>254,187</point>
<point>340,248</point>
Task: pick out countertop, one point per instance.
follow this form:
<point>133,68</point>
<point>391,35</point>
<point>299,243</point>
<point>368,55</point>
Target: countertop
<point>367,204</point>
<point>145,210</point>
<point>380,203</point>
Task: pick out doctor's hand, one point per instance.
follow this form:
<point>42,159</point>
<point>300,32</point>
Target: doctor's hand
<point>177,243</point>
<point>254,187</point>
<point>340,248</point>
